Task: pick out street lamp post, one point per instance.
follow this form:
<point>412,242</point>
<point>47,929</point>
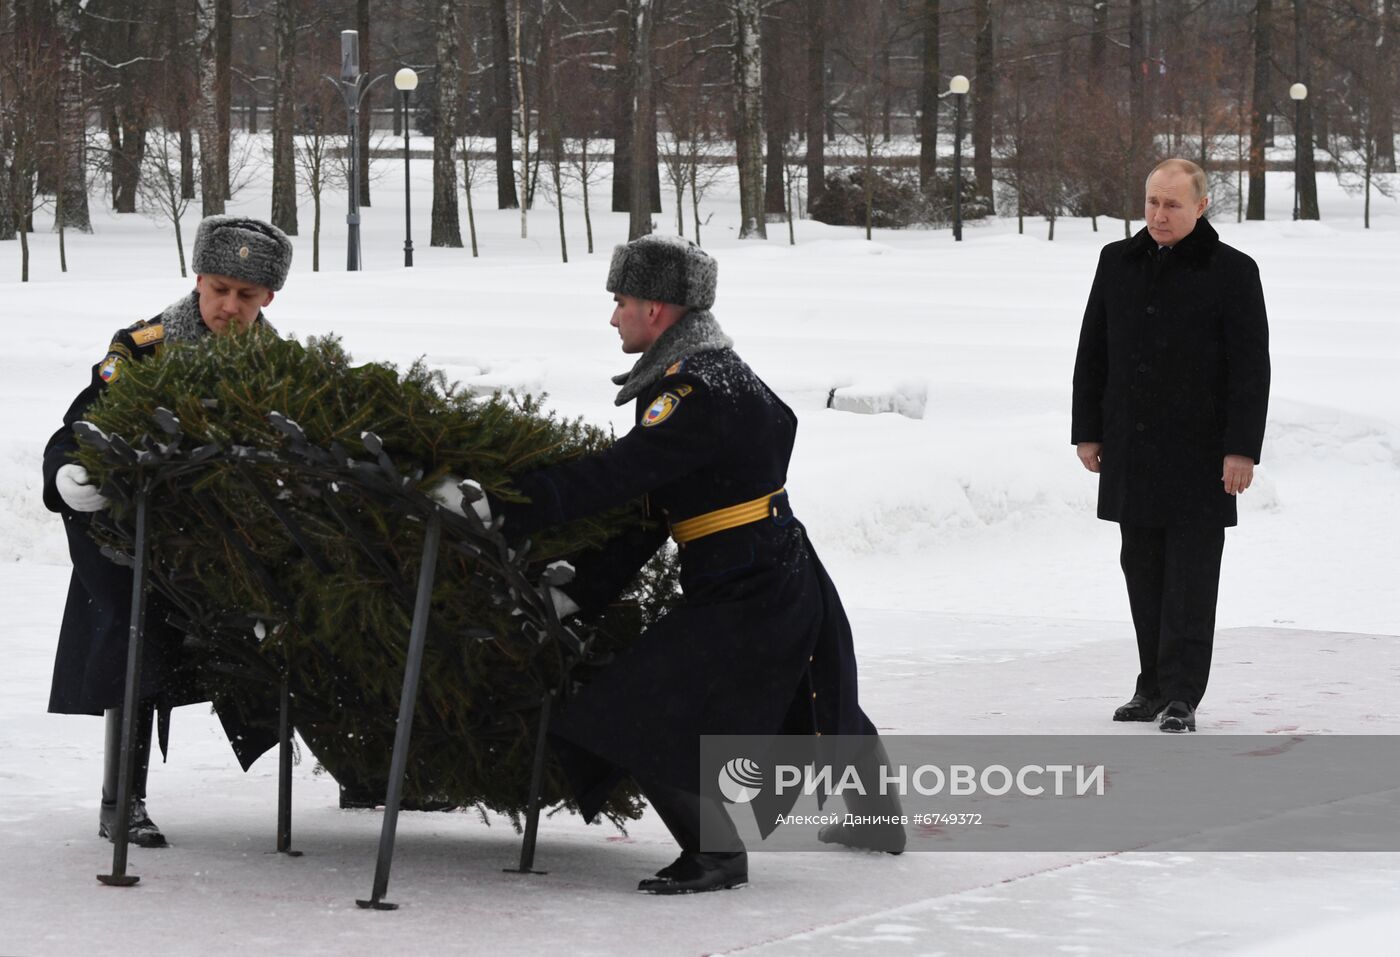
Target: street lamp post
<point>406,81</point>
<point>353,85</point>
<point>958,86</point>
<point>1299,93</point>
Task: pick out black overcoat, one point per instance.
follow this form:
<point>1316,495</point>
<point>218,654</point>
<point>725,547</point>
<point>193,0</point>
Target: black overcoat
<point>89,673</point>
<point>1171,376</point>
<point>759,645</point>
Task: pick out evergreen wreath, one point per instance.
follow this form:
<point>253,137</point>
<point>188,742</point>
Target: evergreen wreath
<point>287,507</point>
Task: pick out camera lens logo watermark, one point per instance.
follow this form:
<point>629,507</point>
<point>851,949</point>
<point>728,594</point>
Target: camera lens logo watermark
<point>740,780</point>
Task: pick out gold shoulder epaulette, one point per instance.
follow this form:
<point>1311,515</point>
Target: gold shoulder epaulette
<point>146,335</point>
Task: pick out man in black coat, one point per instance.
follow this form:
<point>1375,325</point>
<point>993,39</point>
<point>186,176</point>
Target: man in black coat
<point>240,265</point>
<point>1171,390</point>
<point>761,643</point>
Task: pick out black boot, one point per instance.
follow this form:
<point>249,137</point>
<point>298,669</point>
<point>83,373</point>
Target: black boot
<point>722,866</point>
<point>141,830</point>
<point>1178,717</point>
<point>1139,708</point>
<point>881,830</point>
<point>695,873</point>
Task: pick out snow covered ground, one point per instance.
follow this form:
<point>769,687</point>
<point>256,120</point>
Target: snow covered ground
<point>986,597</point>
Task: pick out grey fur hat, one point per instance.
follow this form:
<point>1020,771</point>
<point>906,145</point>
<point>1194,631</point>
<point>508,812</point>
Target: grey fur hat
<point>664,269</point>
<point>241,248</point>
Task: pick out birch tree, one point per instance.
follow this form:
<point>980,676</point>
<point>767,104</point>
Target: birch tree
<point>211,185</point>
<point>748,116</point>
<point>72,209</point>
<point>284,184</point>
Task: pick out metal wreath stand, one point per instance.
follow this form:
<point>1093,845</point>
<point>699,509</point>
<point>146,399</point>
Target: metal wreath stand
<point>156,461</point>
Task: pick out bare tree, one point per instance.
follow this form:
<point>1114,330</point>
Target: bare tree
<point>1260,101</point>
<point>526,187</point>
<point>1303,135</point>
<point>643,112</point>
<point>211,186</point>
<point>362,24</point>
<point>817,13</point>
<point>446,226</point>
<point>471,149</point>
<point>984,98</point>
<point>159,185</point>
<point>72,206</point>
<point>930,87</point>
<point>748,116</point>
<point>284,187</point>
<point>223,90</point>
<point>502,106</point>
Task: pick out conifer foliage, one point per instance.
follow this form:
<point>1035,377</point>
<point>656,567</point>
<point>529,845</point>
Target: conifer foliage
<point>288,502</point>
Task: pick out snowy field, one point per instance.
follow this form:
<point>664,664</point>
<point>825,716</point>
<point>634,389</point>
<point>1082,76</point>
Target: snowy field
<point>985,595</point>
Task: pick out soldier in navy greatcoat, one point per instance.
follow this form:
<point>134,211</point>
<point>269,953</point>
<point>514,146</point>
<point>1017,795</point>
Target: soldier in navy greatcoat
<point>760,643</point>
<point>239,264</point>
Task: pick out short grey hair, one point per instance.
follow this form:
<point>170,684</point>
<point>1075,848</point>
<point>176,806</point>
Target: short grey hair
<point>1178,165</point>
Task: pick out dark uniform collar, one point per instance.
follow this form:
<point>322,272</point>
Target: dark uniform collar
<point>1196,247</point>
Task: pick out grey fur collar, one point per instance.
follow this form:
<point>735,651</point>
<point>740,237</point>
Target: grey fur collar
<point>183,323</point>
<point>182,320</point>
<point>696,331</point>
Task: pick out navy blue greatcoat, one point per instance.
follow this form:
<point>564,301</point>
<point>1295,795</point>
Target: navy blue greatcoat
<point>89,672</point>
<point>760,643</point>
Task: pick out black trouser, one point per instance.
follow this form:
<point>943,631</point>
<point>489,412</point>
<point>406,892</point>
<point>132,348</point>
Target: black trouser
<point>1173,577</point>
<point>112,754</point>
<point>688,815</point>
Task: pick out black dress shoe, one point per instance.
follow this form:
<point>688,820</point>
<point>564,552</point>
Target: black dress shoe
<point>1178,717</point>
<point>696,873</point>
<point>1140,708</point>
<point>141,830</point>
<point>889,838</point>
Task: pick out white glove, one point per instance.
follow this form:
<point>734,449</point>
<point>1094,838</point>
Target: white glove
<point>564,606</point>
<point>72,484</point>
<point>449,496</point>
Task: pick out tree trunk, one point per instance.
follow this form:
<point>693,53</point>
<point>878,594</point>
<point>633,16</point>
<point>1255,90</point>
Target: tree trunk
<point>929,88</point>
<point>186,163</point>
<point>1098,44</point>
<point>527,182</point>
<point>211,191</point>
<point>748,117</point>
<point>625,68</point>
<point>501,106</point>
<point>1383,89</point>
<point>283,122</point>
<point>447,230</point>
<point>1259,105</point>
<point>284,170</point>
<point>366,106</point>
<point>1137,87</point>
<point>775,117</point>
<point>643,121</point>
<point>72,120</point>
<point>984,101</point>
<point>127,153</point>
<point>223,69</point>
<point>816,99</point>
<point>552,123</point>
<point>1303,135</point>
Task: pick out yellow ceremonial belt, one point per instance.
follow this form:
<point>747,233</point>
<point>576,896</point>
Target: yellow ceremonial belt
<point>721,519</point>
